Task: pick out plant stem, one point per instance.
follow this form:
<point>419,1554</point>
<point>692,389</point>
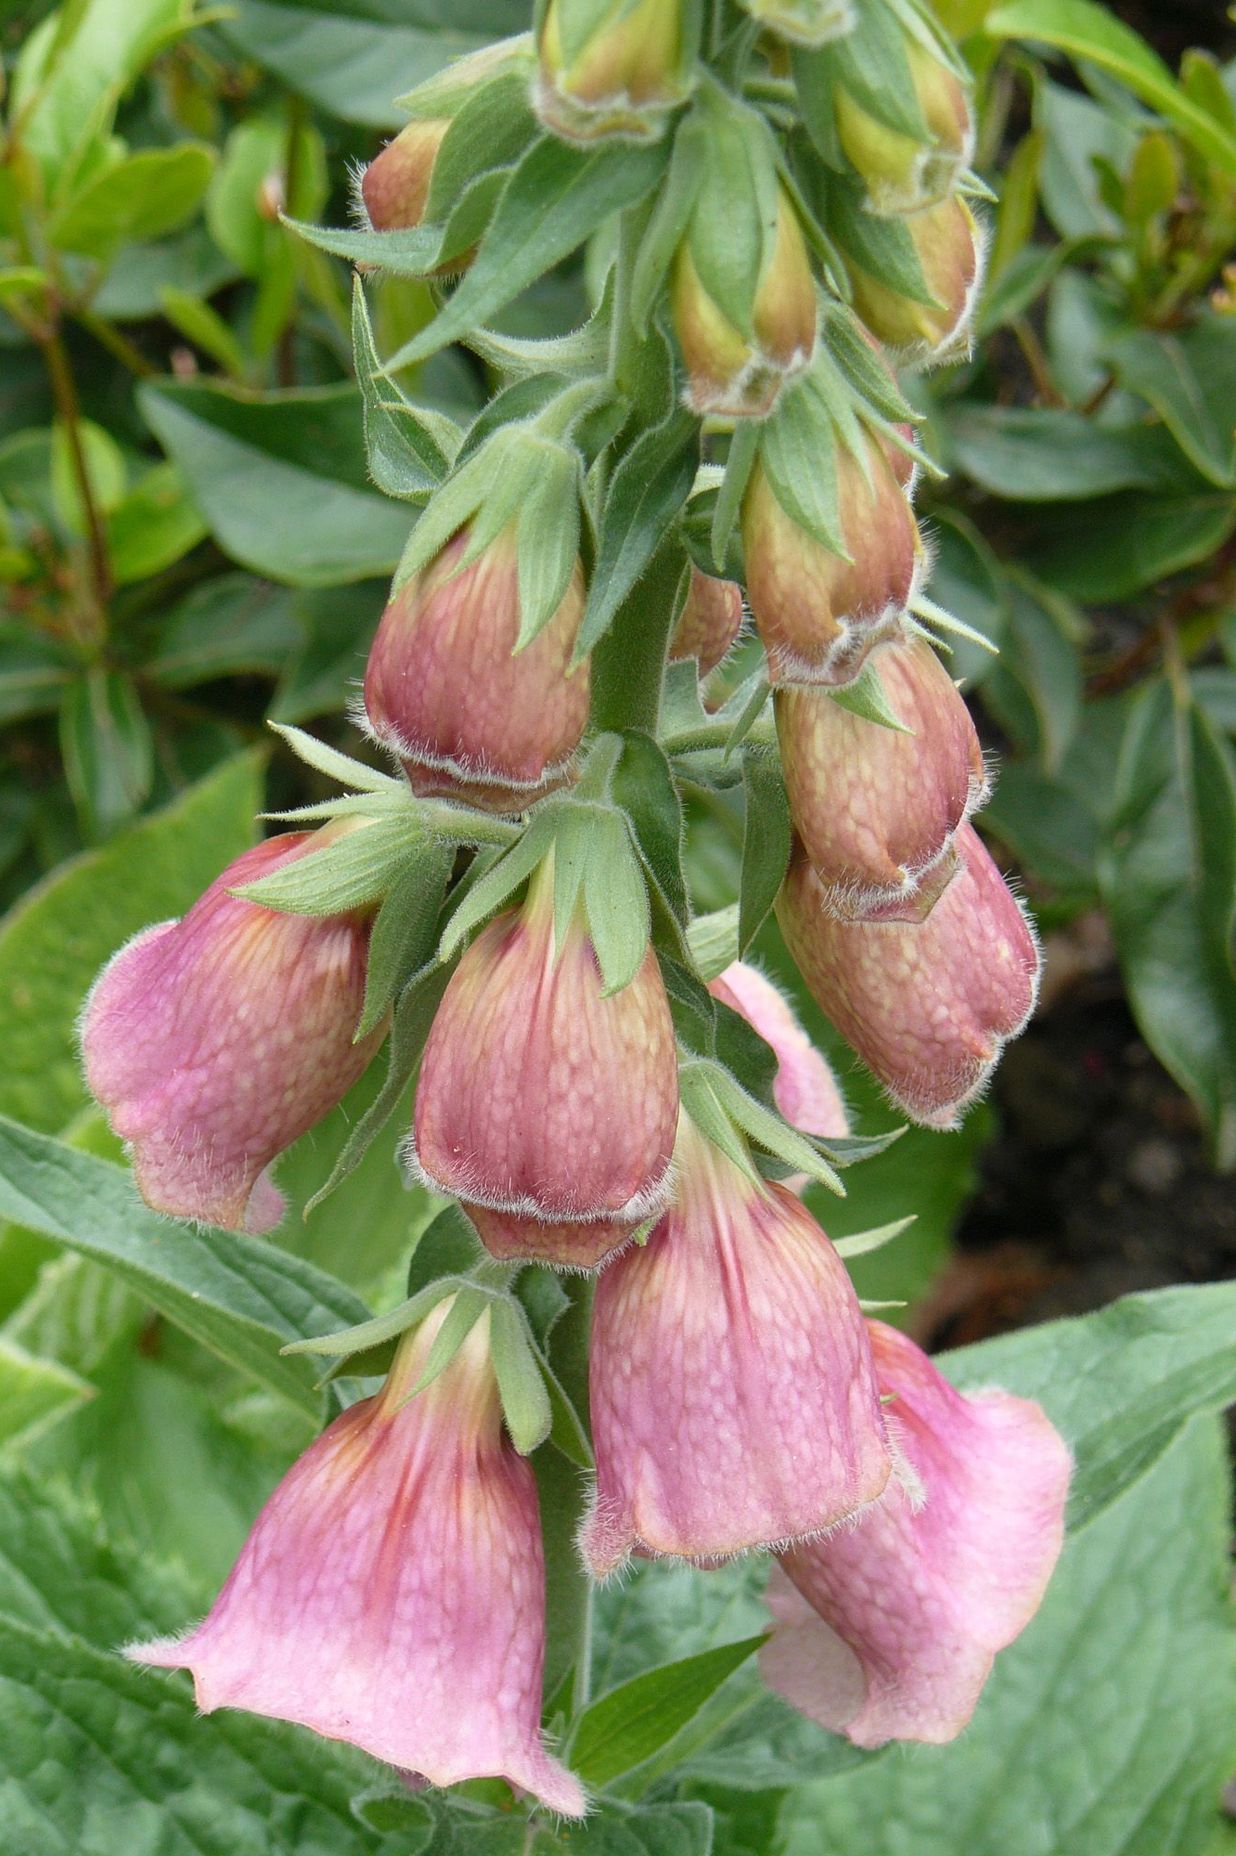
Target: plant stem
<point>68,408</point>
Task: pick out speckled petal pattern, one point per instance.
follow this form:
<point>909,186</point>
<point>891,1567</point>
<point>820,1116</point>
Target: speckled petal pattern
<point>215,1042</point>
<point>392,1591</point>
<point>445,687</point>
<point>876,809</point>
<point>538,1096</point>
<point>805,1089</point>
<point>733,1395</point>
<point>928,1005</point>
<point>888,1630</point>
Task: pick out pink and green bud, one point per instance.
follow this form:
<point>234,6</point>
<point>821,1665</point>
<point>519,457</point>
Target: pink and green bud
<point>818,612</point>
<point>888,1630</point>
<point>215,1042</point>
<point>392,1591</point>
<point>739,355</point>
<point>904,174</point>
<point>395,186</point>
<point>930,1004</point>
<point>709,623</point>
<point>732,1390</point>
<point>949,247</point>
<point>804,1089</point>
<point>618,68</point>
<point>877,808</point>
<point>447,687</point>
<point>544,1105</point>
<point>803,22</point>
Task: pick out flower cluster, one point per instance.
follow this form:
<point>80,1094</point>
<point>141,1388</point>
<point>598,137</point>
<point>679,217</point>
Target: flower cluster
<point>595,1096</point>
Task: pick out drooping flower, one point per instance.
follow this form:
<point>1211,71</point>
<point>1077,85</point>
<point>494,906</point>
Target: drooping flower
<point>447,690</point>
<point>547,1107</point>
<point>614,70</point>
<point>928,1005</point>
<point>710,621</point>
<point>395,186</point>
<point>948,245</point>
<point>805,1089</point>
<point>876,809</point>
<point>733,1397</point>
<point>888,1630</point>
<point>818,613</point>
<point>216,1041</point>
<point>906,173</point>
<point>392,1591</point>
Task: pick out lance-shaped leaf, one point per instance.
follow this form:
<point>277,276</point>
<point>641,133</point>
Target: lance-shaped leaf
<point>410,448</point>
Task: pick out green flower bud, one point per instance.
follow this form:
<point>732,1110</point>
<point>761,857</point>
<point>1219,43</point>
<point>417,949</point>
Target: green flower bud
<point>803,22</point>
<point>612,67</point>
<point>903,173</point>
<point>948,245</point>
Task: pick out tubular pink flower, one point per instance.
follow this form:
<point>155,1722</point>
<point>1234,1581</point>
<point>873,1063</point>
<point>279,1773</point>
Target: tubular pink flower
<point>541,1103</point>
<point>392,1591</point>
<point>805,1089</point>
<point>928,1005</point>
<point>877,810</point>
<point>888,1630</point>
<point>395,186</point>
<point>818,613</point>
<point>445,687</point>
<point>215,1042</point>
<point>709,622</point>
<point>733,1396</point>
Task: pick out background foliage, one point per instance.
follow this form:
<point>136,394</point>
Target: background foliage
<point>191,544</point>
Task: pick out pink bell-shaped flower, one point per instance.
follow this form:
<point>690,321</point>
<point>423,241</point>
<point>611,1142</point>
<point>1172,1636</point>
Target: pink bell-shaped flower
<point>547,1107</point>
<point>216,1041</point>
<point>392,1591</point>
<point>733,1395</point>
<point>446,688</point>
<point>710,621</point>
<point>888,1630</point>
<point>804,1089</point>
<point>877,809</point>
<point>928,1005</point>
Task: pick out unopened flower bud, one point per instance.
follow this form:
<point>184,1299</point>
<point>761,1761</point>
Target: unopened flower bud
<point>876,808</point>
<point>618,69</point>
<point>928,1005</point>
<point>446,688</point>
<point>392,1591</point>
<point>732,1391</point>
<point>805,1089</point>
<point>803,22</point>
<point>547,1107</point>
<point>216,1041</point>
<point>395,185</point>
<point>888,1630</point>
<point>738,355</point>
<point>710,621</point>
<point>902,173</point>
<point>819,614</point>
<point>949,246</point>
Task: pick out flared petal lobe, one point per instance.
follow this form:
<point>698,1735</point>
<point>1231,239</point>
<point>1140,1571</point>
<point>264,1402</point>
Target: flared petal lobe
<point>877,809</point>
<point>392,1591</point>
<point>928,1005</point>
<point>539,1099</point>
<point>887,1631</point>
<point>733,1395</point>
<point>446,689</point>
<point>215,1042</point>
<point>804,1089</point>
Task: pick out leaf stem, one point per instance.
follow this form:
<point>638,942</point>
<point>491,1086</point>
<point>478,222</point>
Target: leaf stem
<point>68,408</point>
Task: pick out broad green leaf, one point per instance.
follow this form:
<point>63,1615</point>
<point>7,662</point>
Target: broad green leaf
<point>1089,31</point>
<point>1106,1727</point>
<point>56,939</point>
<point>1128,541</point>
<point>354,59</point>
<point>409,449</point>
<point>107,750</point>
<point>1035,689</point>
<point>141,196</point>
<point>239,1296</point>
<point>1032,454</point>
<point>647,492</point>
<point>152,526</point>
<point>281,479</point>
<point>231,624</point>
<point>33,671</point>
<point>628,1725</point>
<point>34,1393</point>
<point>1190,380</point>
<point>1168,878</point>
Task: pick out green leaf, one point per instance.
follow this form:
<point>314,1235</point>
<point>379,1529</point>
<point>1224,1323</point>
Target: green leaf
<point>765,842</point>
<point>555,199</point>
<point>107,750</point>
<point>141,196</point>
<point>54,942</point>
<point>352,59</point>
<point>33,671</point>
<point>615,901</point>
<point>345,874</point>
<point>34,1393</point>
<point>281,479</point>
<point>410,450</point>
<point>1190,380</point>
<point>152,527</point>
<point>1032,454</point>
<point>231,624</point>
<point>628,1725</point>
<point>646,494</point>
<point>643,785</point>
<point>1036,688</point>
<point>1128,541</point>
<point>405,929</point>
<point>240,1297</point>
<point>525,1399</point>
<point>1168,877</point>
<point>1104,1729</point>
<point>1091,32</point>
